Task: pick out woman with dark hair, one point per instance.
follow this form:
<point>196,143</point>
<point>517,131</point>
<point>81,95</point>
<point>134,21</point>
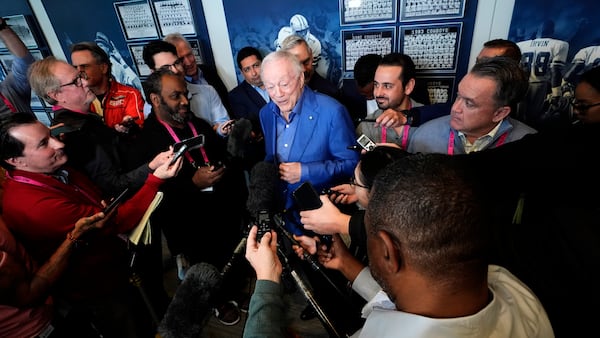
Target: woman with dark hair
<point>586,106</point>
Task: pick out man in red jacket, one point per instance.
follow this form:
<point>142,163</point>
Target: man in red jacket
<point>121,106</point>
<point>42,202</point>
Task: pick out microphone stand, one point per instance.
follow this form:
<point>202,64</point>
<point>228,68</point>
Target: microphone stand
<point>238,249</point>
<point>308,295</point>
<point>313,263</point>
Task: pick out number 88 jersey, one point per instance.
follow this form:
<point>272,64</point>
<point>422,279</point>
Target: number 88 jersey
<point>540,55</point>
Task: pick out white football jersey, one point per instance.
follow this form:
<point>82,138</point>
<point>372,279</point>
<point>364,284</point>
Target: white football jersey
<point>589,56</point>
<point>540,55</point>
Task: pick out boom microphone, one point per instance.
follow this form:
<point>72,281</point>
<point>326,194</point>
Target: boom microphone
<point>238,137</point>
<point>262,188</point>
<point>192,303</point>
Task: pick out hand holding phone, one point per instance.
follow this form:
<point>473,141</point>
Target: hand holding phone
<point>115,201</point>
<point>307,198</point>
<point>178,153</point>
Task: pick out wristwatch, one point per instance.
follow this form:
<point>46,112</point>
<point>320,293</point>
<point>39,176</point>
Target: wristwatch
<point>409,116</point>
<point>3,23</point>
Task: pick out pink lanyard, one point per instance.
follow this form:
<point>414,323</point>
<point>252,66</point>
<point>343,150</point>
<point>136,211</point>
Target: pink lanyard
<point>8,104</point>
<point>500,142</point>
<point>176,138</point>
<point>30,181</point>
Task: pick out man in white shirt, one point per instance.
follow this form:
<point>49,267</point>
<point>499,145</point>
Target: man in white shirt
<point>428,255</point>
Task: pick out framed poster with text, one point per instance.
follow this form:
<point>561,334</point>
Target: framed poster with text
<point>414,10</point>
<point>136,51</point>
<point>358,42</point>
<point>174,16</point>
<point>136,20</point>
<point>353,12</point>
<point>433,48</point>
<point>440,88</point>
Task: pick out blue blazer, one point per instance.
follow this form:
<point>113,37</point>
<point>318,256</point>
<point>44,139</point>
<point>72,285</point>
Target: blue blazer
<point>324,132</point>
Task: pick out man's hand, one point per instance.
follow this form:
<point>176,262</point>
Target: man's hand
<point>390,119</point>
<point>326,220</point>
<point>290,172</point>
<point>338,257</point>
<point>86,224</point>
<point>166,170</point>
<point>205,176</point>
<point>263,256</point>
<point>161,158</point>
<point>127,123</point>
<point>344,193</point>
<point>307,245</point>
<point>226,127</point>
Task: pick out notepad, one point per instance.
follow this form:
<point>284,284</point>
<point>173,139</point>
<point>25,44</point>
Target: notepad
<point>142,234</point>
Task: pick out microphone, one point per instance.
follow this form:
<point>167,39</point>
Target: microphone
<point>238,137</point>
<point>192,303</point>
<point>262,188</point>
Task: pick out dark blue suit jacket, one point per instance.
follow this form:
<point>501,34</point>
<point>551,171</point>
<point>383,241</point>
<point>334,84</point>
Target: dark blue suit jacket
<point>246,102</point>
<point>324,132</point>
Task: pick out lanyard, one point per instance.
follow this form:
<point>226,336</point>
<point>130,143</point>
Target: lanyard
<point>500,142</point>
<point>176,138</point>
<point>8,104</point>
<point>27,180</point>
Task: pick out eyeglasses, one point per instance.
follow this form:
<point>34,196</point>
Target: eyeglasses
<point>353,182</point>
<point>176,64</point>
<point>76,81</point>
<point>583,107</point>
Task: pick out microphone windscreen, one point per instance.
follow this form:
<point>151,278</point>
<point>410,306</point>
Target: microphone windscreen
<point>238,137</point>
<point>192,303</point>
<point>262,187</point>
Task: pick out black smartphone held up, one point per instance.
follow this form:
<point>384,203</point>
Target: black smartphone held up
<point>115,201</point>
<point>192,143</point>
<point>366,142</point>
<point>182,149</point>
<point>307,198</point>
<point>188,144</point>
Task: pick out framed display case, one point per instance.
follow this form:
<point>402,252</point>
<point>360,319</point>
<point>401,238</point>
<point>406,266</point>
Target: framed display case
<point>136,51</point>
<point>174,16</point>
<point>358,42</point>
<point>136,19</point>
<point>354,12</point>
<point>413,10</point>
<point>433,48</point>
<point>440,88</point>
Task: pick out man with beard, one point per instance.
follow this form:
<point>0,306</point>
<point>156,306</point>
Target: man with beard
<point>188,217</point>
<point>429,256</point>
<point>393,83</point>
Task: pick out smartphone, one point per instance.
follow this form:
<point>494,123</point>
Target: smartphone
<point>217,165</point>
<point>182,149</point>
<point>366,142</point>
<point>192,143</point>
<point>115,201</point>
<point>307,198</point>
